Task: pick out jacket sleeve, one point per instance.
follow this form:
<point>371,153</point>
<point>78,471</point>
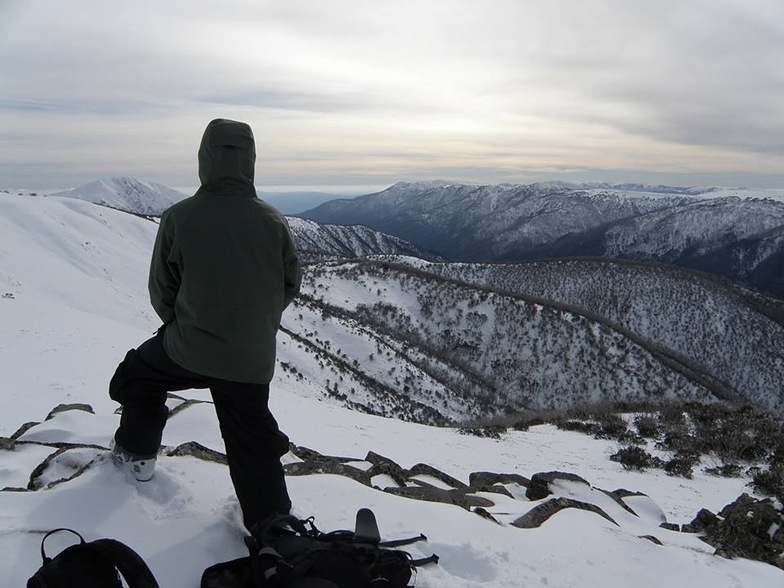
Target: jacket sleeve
<point>164,282</point>
<point>292,273</point>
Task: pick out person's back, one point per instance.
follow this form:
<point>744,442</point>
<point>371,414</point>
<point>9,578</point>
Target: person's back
<point>223,269</point>
<point>230,259</point>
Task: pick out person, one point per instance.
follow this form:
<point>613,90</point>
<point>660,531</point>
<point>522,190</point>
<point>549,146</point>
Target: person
<point>224,267</point>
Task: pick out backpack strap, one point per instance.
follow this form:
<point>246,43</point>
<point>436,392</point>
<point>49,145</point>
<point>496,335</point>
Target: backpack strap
<point>125,559</point>
<point>402,542</point>
<point>46,559</point>
<point>424,561</point>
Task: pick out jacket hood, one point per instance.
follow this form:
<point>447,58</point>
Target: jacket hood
<point>227,153</point>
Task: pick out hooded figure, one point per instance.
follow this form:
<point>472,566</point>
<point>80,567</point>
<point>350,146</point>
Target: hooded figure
<point>223,269</point>
<point>224,266</point>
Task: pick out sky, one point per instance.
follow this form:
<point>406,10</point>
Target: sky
<point>353,95</point>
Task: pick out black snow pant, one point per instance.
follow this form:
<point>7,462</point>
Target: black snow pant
<point>254,443</point>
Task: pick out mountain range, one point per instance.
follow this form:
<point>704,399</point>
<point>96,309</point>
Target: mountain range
<point>314,241</point>
<point>440,343</point>
<point>734,233</point>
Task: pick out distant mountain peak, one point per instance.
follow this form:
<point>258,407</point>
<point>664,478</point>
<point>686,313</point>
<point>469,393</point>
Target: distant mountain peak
<point>126,193</point>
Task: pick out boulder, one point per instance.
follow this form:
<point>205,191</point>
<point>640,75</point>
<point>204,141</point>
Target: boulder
<point>327,465</point>
<point>183,405</point>
<point>704,520</point>
<point>199,451</point>
<point>65,407</point>
<point>749,528</point>
<point>477,479</point>
<point>433,494</point>
<point>539,486</point>
<point>24,428</point>
<point>384,465</point>
<point>542,512</point>
<point>422,469</point>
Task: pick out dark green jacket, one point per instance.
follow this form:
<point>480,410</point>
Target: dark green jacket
<point>224,266</point>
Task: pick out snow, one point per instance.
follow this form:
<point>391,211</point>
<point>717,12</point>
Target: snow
<point>75,310</point>
<point>129,194</point>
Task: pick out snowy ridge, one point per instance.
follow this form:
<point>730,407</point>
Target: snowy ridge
<point>314,241</point>
<point>128,194</point>
<point>318,242</point>
<point>735,233</point>
<point>456,219</point>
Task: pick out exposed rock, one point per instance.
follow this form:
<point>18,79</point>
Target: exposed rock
<point>199,451</point>
<point>670,527</point>
<point>482,512</point>
<point>652,539</point>
<point>498,489</point>
<point>542,512</point>
<point>39,469</point>
<point>624,493</point>
<point>185,404</point>
<point>7,443</point>
<point>476,479</point>
<point>539,487</point>
<point>704,520</point>
<point>376,459</point>
<point>65,407</point>
<point>749,528</point>
<point>73,468</point>
<point>385,466</point>
<point>308,454</point>
<point>433,494</point>
<point>422,469</point>
<point>327,466</point>
<point>24,428</point>
<point>618,495</point>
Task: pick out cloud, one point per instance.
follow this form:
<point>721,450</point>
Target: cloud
<point>461,84</point>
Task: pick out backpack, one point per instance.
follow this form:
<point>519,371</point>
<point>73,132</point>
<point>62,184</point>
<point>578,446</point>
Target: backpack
<point>287,552</point>
<point>92,565</point>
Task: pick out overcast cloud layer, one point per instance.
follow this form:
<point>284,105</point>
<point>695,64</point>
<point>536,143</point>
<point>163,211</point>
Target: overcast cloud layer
<point>366,93</point>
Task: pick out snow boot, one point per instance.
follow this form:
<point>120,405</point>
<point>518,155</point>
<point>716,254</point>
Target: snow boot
<point>141,466</point>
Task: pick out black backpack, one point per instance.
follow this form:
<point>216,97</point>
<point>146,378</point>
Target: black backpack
<point>291,553</point>
<point>96,564</point>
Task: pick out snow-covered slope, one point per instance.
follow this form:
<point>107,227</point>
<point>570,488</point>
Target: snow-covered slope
<point>506,353</point>
<point>733,232</point>
<point>73,300</point>
<point>314,241</point>
<point>125,193</point>
<point>733,333</point>
<point>318,242</point>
